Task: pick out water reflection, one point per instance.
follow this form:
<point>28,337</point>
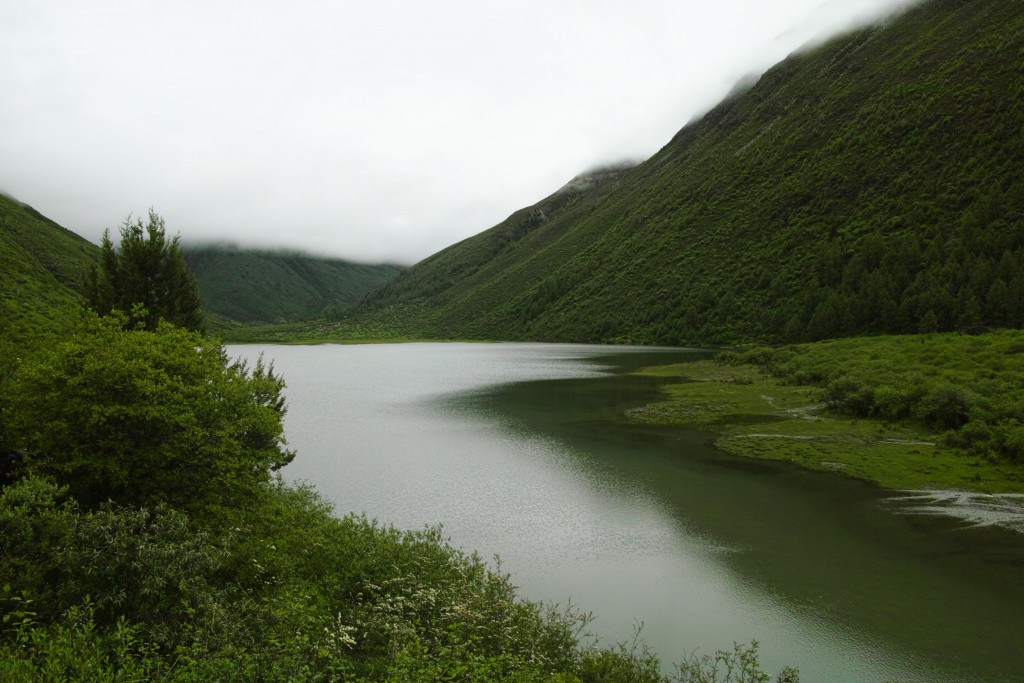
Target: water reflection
<point>519,450</point>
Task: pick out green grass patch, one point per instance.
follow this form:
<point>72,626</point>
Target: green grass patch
<point>760,416</point>
<point>716,396</point>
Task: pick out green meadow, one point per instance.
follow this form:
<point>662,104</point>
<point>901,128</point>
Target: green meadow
<point>931,411</point>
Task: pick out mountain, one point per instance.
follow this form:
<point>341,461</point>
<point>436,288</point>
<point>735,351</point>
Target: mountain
<point>43,267</point>
<point>872,184</point>
<point>42,270</point>
<point>267,286</point>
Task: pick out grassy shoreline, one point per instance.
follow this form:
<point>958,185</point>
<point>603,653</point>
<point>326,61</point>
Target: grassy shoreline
<point>757,415</point>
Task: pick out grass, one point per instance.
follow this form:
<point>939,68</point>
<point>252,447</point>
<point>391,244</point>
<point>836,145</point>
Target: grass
<point>761,417</point>
<point>42,271</point>
<point>349,329</point>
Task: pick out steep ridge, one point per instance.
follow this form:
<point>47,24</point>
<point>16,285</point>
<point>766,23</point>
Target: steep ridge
<point>42,270</point>
<point>473,274</point>
<point>252,285</point>
<point>871,184</point>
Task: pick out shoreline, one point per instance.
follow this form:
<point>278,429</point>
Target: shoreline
<point>758,417</point>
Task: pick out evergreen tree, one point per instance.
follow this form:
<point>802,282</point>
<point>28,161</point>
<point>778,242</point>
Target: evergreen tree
<point>929,323</point>
<point>998,303</point>
<point>145,278</point>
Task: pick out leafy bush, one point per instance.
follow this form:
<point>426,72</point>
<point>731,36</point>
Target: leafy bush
<point>945,406</point>
<point>122,593</point>
<point>1013,442</point>
<point>142,417</point>
<point>967,386</point>
<point>285,591</point>
<point>892,404</point>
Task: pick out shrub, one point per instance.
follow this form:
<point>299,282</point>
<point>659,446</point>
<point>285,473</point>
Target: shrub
<point>945,406</point>
<point>142,417</point>
<point>739,665</point>
<point>1013,443</point>
<point>892,404</point>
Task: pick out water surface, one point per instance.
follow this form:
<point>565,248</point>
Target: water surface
<point>520,451</point>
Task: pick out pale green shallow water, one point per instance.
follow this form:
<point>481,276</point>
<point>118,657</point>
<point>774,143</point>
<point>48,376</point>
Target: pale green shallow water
<point>519,450</point>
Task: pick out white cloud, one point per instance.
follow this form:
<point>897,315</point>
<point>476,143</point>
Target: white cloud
<point>376,131</point>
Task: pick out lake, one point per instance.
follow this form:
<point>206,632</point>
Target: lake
<point>520,451</point>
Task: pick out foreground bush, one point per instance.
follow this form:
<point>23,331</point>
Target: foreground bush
<point>143,418</point>
<point>285,592</point>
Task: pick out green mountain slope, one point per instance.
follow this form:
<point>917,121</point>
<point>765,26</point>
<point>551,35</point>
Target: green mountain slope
<point>264,286</point>
<point>872,184</point>
<point>42,269</point>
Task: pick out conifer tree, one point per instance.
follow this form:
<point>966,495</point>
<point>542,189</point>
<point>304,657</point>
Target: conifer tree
<point>145,278</point>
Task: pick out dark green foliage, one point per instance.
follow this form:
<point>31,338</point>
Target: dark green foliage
<point>146,566</point>
<point>283,592</point>
<point>144,417</point>
<point>945,406</point>
<point>256,286</point>
<point>870,185</point>
<point>968,387</point>
<point>42,268</point>
<point>145,278</point>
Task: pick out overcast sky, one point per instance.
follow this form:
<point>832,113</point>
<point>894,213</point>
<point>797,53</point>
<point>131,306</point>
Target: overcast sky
<point>373,130</point>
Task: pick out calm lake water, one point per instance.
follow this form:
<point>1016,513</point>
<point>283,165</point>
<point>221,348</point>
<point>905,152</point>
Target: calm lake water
<point>520,451</point>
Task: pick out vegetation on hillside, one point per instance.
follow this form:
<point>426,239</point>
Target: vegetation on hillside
<point>925,411</point>
<point>870,185</point>
<point>968,388</point>
<point>256,286</point>
<point>47,273</point>
<point>43,268</point>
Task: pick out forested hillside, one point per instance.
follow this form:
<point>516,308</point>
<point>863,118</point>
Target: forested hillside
<point>266,286</point>
<point>42,269</point>
<point>870,185</point>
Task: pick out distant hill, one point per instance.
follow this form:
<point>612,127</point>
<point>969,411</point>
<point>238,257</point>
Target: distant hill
<point>873,184</point>
<point>42,269</point>
<point>269,286</point>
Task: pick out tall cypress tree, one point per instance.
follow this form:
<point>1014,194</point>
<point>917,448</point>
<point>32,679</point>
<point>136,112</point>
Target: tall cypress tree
<point>145,277</point>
